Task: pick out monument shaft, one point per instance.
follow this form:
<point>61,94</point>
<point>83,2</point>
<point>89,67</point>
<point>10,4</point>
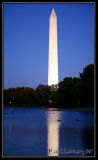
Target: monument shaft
<point>53,51</point>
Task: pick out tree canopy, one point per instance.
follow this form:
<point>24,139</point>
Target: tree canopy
<point>71,92</point>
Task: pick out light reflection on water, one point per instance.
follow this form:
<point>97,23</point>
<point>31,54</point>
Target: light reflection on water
<point>53,132</point>
<point>47,132</point>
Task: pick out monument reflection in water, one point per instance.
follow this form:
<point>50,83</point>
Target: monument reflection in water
<point>53,132</point>
<point>69,133</point>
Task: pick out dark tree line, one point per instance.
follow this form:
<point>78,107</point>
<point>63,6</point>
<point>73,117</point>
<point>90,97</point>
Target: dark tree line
<point>71,92</point>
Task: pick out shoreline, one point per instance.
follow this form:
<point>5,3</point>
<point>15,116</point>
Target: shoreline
<point>90,109</point>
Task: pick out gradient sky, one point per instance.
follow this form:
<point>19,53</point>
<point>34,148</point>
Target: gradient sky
<point>26,40</point>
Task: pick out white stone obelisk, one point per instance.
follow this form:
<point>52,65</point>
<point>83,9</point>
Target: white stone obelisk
<point>53,50</point>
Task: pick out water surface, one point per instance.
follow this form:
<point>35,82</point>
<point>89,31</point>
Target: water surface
<point>47,132</point>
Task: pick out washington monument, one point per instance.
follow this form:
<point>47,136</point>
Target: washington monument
<point>53,50</point>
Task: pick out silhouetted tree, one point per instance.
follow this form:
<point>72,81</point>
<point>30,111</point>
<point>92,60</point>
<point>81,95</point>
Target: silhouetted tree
<point>26,96</point>
<point>42,95</point>
<point>67,94</point>
<point>87,86</point>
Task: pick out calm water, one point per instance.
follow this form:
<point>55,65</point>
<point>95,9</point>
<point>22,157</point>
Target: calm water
<point>47,132</point>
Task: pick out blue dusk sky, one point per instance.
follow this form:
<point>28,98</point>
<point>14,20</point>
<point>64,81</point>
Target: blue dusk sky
<point>26,41</point>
